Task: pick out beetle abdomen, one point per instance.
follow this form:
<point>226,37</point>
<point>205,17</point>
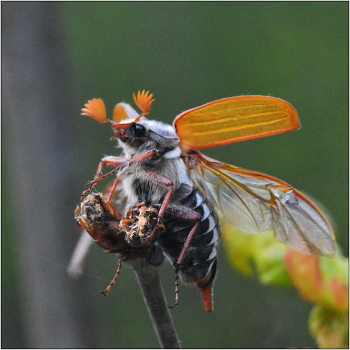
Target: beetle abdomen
<point>201,254</point>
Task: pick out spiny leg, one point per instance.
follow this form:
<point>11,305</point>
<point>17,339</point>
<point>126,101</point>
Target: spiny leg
<point>177,292</point>
<point>180,261</point>
<point>115,161</point>
<point>112,190</point>
<point>111,161</point>
<point>105,292</point>
<point>188,214</point>
<point>187,244</point>
<point>94,183</point>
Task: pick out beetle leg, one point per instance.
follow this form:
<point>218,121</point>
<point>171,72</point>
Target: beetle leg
<point>111,190</point>
<point>106,161</point>
<point>106,291</point>
<point>177,292</point>
<point>111,161</point>
<point>162,180</point>
<point>183,213</point>
<point>120,164</point>
<point>205,285</point>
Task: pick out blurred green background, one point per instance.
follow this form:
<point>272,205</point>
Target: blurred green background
<point>189,54</point>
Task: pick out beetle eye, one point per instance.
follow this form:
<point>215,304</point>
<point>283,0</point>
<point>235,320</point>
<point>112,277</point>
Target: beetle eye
<point>139,130</point>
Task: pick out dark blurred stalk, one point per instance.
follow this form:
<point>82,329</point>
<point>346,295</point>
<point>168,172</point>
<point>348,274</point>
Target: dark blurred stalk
<point>41,164</point>
<point>153,295</point>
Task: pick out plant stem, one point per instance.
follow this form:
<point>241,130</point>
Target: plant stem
<point>153,294</point>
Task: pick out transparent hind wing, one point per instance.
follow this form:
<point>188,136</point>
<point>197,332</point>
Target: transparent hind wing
<point>252,202</point>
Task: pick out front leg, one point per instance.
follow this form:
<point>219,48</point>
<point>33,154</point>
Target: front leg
<point>111,161</point>
<point>120,164</point>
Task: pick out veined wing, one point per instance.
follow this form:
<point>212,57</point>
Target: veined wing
<point>254,203</point>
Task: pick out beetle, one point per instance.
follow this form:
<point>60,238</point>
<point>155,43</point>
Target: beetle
<point>162,165</point>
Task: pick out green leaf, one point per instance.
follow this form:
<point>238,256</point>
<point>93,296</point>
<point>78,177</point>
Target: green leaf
<point>329,328</point>
<point>257,255</point>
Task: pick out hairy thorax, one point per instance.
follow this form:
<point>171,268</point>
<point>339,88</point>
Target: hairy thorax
<point>140,188</point>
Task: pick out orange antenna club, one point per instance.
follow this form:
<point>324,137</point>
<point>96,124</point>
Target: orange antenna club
<point>144,101</point>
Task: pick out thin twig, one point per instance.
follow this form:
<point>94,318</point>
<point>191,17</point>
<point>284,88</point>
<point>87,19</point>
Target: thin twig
<point>153,294</point>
